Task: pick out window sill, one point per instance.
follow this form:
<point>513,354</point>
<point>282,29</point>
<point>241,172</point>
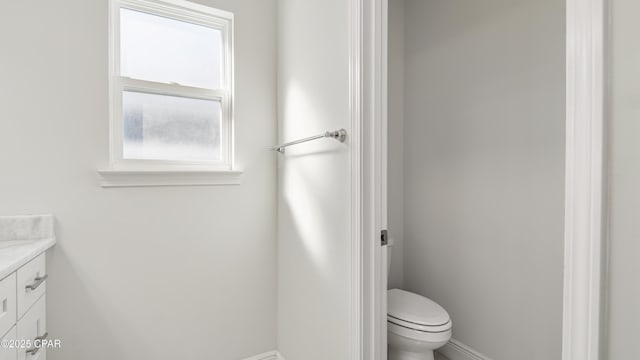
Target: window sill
<point>154,178</point>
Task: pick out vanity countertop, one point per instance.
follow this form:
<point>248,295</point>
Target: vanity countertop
<point>22,238</point>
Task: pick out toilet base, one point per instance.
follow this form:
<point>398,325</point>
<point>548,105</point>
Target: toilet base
<point>404,348</point>
<point>395,354</point>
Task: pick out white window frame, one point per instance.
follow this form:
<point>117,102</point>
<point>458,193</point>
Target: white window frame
<point>182,11</point>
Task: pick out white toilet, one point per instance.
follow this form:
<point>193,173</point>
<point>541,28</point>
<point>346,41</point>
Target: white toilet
<point>416,326</point>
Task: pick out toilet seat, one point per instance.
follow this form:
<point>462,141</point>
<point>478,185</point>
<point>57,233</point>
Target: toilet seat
<point>414,312</point>
<point>417,327</point>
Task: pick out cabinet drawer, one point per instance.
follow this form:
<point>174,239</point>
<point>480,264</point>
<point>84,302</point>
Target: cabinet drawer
<point>9,353</point>
<point>7,303</point>
<point>31,283</point>
<point>33,326</point>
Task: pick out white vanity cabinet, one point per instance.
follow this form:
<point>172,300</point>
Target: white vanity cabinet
<point>23,312</point>
<point>9,353</point>
<point>8,303</point>
<point>32,284</point>
<point>33,326</point>
<point>24,240</point>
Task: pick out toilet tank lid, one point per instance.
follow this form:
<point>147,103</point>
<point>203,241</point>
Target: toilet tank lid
<point>414,308</point>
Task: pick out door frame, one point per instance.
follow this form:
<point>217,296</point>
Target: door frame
<point>584,189</point>
<point>368,103</point>
<point>585,213</point>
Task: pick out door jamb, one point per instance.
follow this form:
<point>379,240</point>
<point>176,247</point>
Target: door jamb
<point>584,192</point>
<point>368,94</point>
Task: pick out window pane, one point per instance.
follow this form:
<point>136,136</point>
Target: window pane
<point>159,49</point>
<point>159,127</point>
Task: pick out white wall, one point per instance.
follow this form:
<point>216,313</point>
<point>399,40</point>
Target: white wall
<point>314,182</point>
<point>624,297</point>
<point>484,169</point>
<point>396,141</point>
<point>138,273</point>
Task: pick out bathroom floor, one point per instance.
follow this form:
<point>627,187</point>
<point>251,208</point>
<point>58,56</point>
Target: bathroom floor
<point>440,356</point>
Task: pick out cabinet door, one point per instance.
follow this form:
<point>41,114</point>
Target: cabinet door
<point>6,352</point>
<point>7,303</point>
<point>33,326</point>
<point>31,283</point>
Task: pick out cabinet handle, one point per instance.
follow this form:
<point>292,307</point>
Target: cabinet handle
<point>38,281</point>
<point>34,350</point>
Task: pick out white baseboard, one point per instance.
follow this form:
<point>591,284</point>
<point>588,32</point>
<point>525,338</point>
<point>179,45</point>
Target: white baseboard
<point>455,350</point>
<point>271,355</point>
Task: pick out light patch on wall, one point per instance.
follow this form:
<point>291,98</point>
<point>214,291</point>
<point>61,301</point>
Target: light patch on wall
<point>299,105</point>
<point>301,199</point>
<point>303,190</point>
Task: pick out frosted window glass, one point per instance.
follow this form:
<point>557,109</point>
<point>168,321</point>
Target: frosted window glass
<point>159,49</point>
<point>160,127</point>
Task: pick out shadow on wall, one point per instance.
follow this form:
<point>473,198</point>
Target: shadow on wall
<point>469,20</point>
<point>86,319</point>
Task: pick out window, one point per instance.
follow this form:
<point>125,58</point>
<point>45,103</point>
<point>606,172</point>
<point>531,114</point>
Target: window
<point>171,86</point>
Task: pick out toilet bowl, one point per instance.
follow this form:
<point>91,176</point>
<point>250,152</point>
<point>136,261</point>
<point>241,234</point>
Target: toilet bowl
<point>416,326</point>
